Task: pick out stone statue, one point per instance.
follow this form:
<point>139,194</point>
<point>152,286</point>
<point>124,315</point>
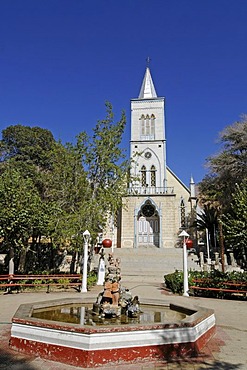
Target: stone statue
<point>115,292</point>
<point>107,294</point>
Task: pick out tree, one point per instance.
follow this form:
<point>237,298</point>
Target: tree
<point>27,144</point>
<point>233,159</point>
<point>87,181</point>
<point>25,156</point>
<point>29,150</point>
<point>66,187</point>
<point>105,166</point>
<point>235,223</point>
<point>22,213</point>
<point>228,167</point>
<point>208,219</point>
<point>73,186</point>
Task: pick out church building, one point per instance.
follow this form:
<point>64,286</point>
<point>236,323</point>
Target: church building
<point>158,203</point>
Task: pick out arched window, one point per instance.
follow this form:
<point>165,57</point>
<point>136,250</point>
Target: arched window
<point>182,213</point>
<point>147,127</point>
<point>144,176</point>
<point>153,175</point>
<point>143,125</point>
<point>152,125</point>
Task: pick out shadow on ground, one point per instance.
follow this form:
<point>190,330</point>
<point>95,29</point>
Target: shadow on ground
<point>199,364</point>
<point>10,361</point>
<point>14,361</point>
<point>219,365</point>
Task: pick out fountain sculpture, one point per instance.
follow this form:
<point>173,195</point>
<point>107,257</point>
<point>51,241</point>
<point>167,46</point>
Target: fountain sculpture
<point>102,336</point>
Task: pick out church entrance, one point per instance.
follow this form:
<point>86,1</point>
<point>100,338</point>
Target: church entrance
<point>148,231</point>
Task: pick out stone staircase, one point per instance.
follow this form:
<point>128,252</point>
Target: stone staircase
<point>150,264</point>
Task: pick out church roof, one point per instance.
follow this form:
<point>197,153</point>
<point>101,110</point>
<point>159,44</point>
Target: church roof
<point>147,90</point>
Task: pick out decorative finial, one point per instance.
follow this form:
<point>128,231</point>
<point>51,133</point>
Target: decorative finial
<point>148,60</point>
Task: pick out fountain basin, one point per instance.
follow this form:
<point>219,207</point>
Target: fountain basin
<point>91,346</point>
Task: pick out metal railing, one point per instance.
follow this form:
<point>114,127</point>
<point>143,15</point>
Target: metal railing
<point>152,190</point>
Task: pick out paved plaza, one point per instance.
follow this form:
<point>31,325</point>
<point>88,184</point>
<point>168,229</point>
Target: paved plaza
<point>227,350</point>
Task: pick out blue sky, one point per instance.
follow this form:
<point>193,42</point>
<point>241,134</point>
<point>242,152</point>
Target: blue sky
<point>60,60</point>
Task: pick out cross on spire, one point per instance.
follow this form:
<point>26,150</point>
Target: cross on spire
<point>148,60</point>
<point>147,88</point>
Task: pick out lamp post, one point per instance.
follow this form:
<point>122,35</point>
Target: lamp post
<point>86,237</point>
<point>208,252</point>
<point>185,264</point>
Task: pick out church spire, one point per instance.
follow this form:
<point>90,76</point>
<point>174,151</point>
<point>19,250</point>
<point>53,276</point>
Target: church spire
<point>192,188</point>
<point>147,90</point>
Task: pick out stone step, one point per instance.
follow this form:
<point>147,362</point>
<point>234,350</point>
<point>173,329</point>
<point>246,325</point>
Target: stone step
<point>151,264</point>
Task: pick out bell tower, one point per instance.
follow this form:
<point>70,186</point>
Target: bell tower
<point>148,141</point>
<point>156,206</point>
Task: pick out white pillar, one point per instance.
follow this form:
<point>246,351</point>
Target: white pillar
<point>185,268</point>
<point>82,315</point>
<point>207,239</point>
<point>185,264</point>
<point>11,266</point>
<point>101,272</point>
<point>84,273</point>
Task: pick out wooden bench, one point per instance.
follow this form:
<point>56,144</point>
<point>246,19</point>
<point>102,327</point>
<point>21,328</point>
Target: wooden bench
<point>11,282</point>
<point>223,286</point>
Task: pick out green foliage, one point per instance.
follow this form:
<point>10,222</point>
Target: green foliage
<point>27,144</point>
<point>227,167</point>
<point>212,279</point>
<point>66,188</point>
<point>231,162</point>
<point>87,181</point>
<point>58,191</point>
<point>215,277</point>
<point>91,279</point>
<point>105,164</point>
<point>37,283</point>
<point>208,219</point>
<point>64,282</point>
<point>235,222</point>
<point>174,282</point>
<point>22,212</point>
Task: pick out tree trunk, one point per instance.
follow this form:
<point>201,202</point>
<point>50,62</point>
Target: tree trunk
<point>222,248</point>
<point>74,262</point>
<point>11,261</point>
<point>22,260</point>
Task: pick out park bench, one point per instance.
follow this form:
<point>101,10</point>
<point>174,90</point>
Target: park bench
<point>18,282</point>
<point>206,285</point>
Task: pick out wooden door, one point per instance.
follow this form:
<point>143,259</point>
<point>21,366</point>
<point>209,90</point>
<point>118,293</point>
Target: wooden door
<point>148,231</point>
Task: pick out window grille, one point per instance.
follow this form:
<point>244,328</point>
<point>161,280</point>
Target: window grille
<point>153,176</point>
<point>144,176</point>
<point>182,213</point>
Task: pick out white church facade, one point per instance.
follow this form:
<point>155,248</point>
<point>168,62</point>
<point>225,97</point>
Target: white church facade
<point>158,203</point>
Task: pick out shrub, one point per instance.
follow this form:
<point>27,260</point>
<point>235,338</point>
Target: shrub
<point>174,281</point>
<point>64,282</point>
<point>212,279</point>
<point>91,278</point>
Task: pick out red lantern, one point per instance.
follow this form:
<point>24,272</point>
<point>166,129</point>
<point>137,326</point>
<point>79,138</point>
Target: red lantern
<point>189,243</point>
<point>107,243</point>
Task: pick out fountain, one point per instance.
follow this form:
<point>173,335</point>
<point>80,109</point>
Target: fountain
<point>116,329</point>
<point>88,344</point>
